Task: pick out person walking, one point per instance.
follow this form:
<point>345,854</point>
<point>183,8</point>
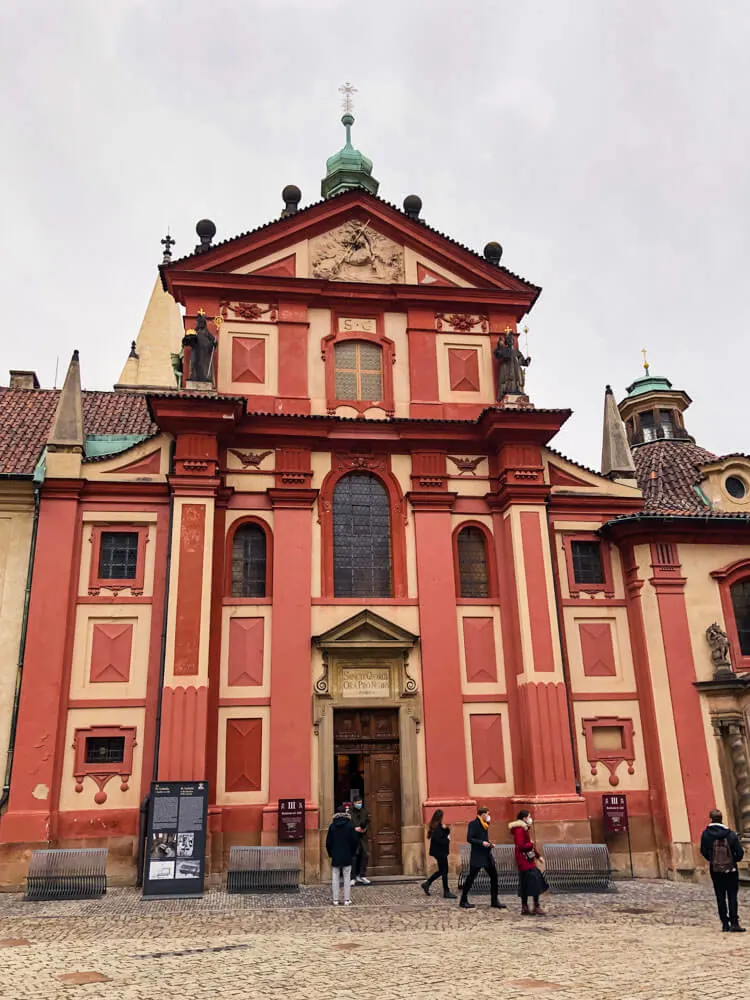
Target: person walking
<point>361,821</point>
<point>721,847</point>
<point>440,846</point>
<point>342,842</point>
<point>531,881</point>
<point>478,836</point>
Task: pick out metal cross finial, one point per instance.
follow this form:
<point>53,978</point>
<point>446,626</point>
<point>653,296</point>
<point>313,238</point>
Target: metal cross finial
<point>645,362</point>
<point>347,103</point>
<point>167,243</point>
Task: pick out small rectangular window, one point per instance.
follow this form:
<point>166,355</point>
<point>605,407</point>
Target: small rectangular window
<point>105,749</point>
<point>587,562</point>
<point>118,555</point>
<point>648,426</point>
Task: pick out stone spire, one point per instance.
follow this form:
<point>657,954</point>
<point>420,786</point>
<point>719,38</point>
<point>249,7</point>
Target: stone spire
<point>348,169</point>
<point>67,427</point>
<point>149,364</point>
<point>617,462</point>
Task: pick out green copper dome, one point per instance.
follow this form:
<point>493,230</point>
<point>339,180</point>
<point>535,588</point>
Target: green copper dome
<point>348,169</point>
<point>649,383</point>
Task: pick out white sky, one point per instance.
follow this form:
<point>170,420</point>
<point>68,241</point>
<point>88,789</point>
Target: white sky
<point>604,143</point>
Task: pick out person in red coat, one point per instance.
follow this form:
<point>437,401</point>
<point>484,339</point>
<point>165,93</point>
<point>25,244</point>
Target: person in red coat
<point>531,881</point>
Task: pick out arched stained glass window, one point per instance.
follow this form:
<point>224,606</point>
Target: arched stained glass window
<point>740,593</point>
<point>473,580</point>
<point>249,561</point>
<point>361,537</point>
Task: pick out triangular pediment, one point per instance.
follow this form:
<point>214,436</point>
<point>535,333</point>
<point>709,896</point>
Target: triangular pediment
<point>354,237</point>
<point>366,629</point>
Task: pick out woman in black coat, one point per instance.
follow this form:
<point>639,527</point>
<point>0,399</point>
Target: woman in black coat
<point>440,846</point>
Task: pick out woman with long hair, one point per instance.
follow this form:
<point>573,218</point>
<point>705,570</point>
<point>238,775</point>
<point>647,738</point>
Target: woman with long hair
<point>440,846</point>
<point>531,881</point>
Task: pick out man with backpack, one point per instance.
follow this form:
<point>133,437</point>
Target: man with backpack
<point>721,847</point>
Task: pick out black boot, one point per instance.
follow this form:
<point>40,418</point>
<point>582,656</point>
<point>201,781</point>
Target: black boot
<point>465,904</point>
<point>735,928</point>
<point>426,888</point>
<point>449,895</point>
<point>725,925</point>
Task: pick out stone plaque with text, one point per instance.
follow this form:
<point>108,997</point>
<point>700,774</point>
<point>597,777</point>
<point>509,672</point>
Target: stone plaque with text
<point>365,682</point>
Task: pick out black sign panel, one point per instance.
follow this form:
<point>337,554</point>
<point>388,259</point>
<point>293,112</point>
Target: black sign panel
<point>615,810</point>
<point>291,819</point>
<point>176,844</point>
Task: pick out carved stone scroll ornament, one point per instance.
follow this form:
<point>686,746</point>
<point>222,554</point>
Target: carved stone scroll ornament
<point>410,685</point>
<point>321,684</point>
<point>718,643</point>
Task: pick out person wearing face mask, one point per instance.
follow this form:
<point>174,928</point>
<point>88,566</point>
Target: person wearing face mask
<point>531,881</point>
<point>478,835</point>
<point>361,820</point>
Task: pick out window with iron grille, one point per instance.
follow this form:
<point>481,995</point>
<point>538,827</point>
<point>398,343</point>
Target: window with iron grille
<point>359,370</point>
<point>472,563</point>
<point>587,562</point>
<point>249,561</point>
<point>105,749</point>
<point>740,593</point>
<point>361,537</point>
<point>118,555</point>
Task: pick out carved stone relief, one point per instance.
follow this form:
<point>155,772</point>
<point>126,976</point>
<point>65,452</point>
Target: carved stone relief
<point>356,252</point>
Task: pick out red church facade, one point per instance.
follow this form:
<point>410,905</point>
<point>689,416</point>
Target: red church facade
<point>333,560</point>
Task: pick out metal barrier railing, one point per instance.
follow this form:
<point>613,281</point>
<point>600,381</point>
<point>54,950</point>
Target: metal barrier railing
<point>67,874</point>
<point>569,868</point>
<point>263,869</point>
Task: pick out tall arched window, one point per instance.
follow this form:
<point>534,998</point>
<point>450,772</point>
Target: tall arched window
<point>249,561</point>
<point>359,370</point>
<point>361,537</point>
<point>740,593</point>
<point>473,579</point>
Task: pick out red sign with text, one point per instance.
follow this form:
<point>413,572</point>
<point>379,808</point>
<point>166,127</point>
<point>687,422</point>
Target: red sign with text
<point>615,809</point>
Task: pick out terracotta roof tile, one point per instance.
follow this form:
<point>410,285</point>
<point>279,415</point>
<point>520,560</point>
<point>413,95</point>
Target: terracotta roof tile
<point>668,474</point>
<point>26,417</point>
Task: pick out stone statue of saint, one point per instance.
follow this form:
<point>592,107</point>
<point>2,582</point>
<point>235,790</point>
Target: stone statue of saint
<point>718,643</point>
<point>202,344</point>
<point>512,378</point>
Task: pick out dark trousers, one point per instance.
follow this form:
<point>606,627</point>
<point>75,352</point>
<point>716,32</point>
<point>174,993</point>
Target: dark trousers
<point>359,869</point>
<point>726,887</point>
<point>442,872</point>
<point>474,870</point>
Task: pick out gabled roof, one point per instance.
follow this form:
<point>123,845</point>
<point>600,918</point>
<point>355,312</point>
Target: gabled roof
<point>291,228</point>
<point>26,417</point>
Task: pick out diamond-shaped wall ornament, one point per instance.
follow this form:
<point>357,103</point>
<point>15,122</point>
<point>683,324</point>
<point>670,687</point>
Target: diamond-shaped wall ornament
<point>249,359</point>
<point>463,369</point>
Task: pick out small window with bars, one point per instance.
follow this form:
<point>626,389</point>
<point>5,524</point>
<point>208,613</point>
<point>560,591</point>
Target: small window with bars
<point>588,568</point>
<point>105,749</point>
<point>249,561</point>
<point>740,594</point>
<point>359,370</point>
<point>473,579</point>
<point>118,555</point>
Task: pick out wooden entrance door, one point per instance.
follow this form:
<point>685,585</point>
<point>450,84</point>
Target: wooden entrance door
<point>371,737</point>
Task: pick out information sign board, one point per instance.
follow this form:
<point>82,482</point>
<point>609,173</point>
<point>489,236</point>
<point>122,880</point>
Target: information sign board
<point>176,839</point>
<point>615,809</point>
<point>291,819</point>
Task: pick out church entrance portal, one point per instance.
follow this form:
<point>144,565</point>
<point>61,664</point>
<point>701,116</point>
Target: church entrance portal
<point>367,761</point>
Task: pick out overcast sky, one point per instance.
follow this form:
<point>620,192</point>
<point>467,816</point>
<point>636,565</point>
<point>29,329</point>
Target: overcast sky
<point>604,143</point>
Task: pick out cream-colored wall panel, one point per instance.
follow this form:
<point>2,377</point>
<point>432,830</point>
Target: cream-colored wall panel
<point>256,331</point>
<point>600,782</point>
<point>109,470</point>
<point>617,619</point>
<point>494,789</point>
<point>88,616</point>
<point>320,327</point>
<point>325,616</point>
<point>411,258</point>
<point>223,797</point>
<point>485,519</point>
<point>82,718</point>
<point>395,329</point>
<point>474,687</point>
<point>300,251</point>
<point>245,611</point>
<point>478,342</point>
<point>119,518</point>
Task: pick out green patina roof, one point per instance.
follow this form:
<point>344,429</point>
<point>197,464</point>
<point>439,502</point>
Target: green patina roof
<point>649,383</point>
<point>348,169</point>
<point>97,445</point>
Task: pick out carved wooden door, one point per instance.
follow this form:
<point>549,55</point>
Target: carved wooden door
<point>384,803</point>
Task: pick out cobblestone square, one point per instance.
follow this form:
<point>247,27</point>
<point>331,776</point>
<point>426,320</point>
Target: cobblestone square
<point>646,941</point>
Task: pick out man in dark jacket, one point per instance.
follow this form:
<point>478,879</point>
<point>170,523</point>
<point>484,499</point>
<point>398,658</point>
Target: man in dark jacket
<point>721,847</point>
<point>342,842</point>
<point>361,821</point>
<point>481,857</point>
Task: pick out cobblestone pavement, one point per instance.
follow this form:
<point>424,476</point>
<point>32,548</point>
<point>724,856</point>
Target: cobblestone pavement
<point>646,941</point>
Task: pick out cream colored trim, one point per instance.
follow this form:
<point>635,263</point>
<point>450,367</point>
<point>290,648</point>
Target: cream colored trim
<point>223,797</point>
<point>252,331</point>
<point>302,265</point>
<point>411,258</point>
<point>485,688</point>
<point>89,615</point>
<point>82,718</point>
<point>617,619</point>
<point>108,470</point>
<point>87,549</point>
<point>250,690</point>
<point>494,789</point>
<point>477,342</point>
<point>395,329</point>
<point>600,782</point>
<point>118,517</point>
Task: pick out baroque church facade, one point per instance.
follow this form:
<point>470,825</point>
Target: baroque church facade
<point>318,541</point>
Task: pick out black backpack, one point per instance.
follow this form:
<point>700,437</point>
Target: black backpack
<point>722,859</point>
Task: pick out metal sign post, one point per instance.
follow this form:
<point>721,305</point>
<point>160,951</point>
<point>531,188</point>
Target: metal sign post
<point>615,811</point>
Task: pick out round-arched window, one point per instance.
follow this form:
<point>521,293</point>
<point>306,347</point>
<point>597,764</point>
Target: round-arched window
<point>361,537</point>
